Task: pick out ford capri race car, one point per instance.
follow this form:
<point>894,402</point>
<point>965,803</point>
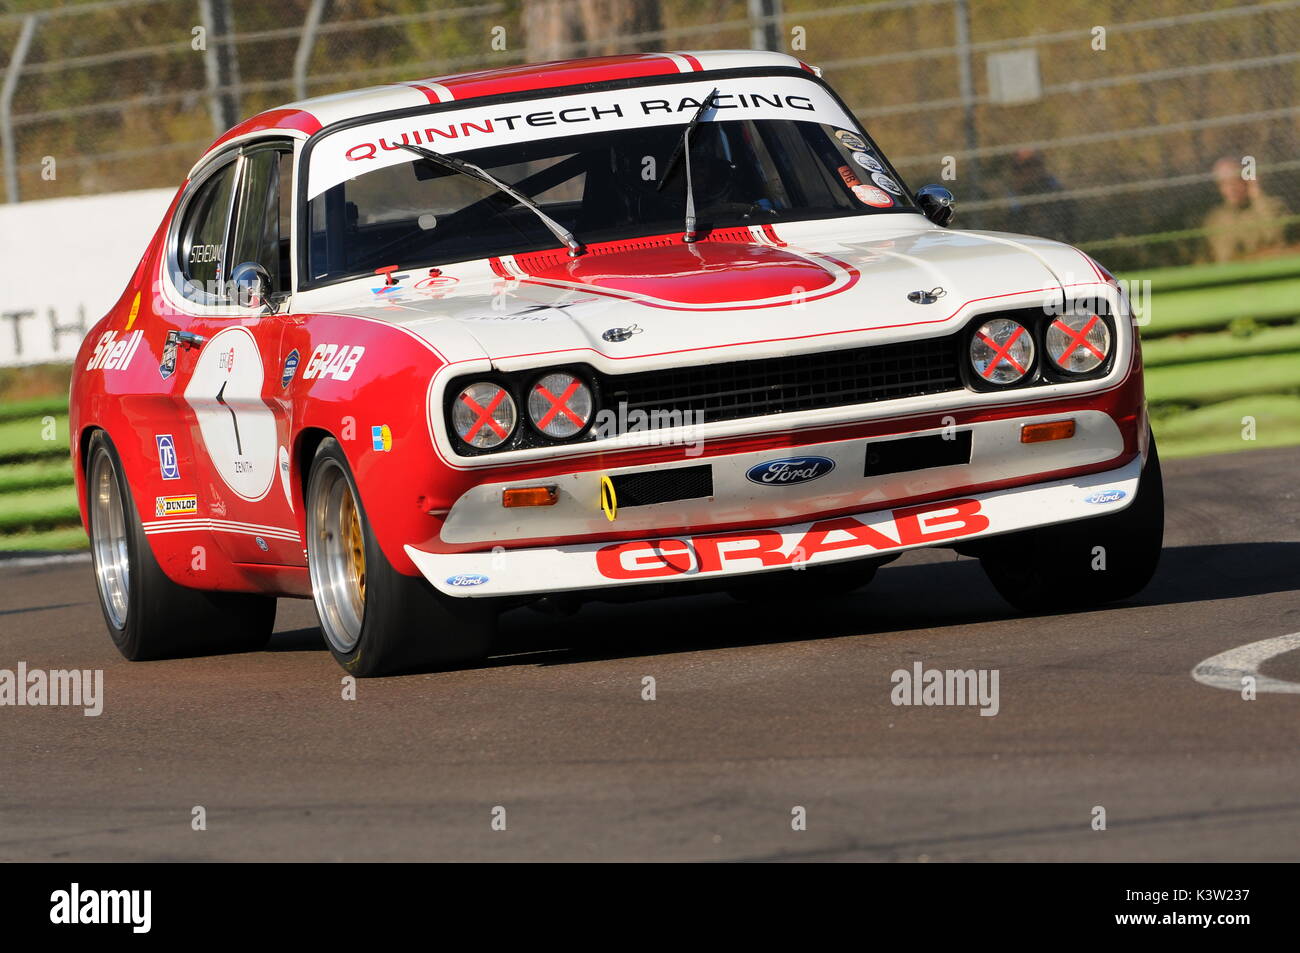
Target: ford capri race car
<point>604,328</point>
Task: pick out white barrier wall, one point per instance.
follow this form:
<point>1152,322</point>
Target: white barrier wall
<point>63,262</point>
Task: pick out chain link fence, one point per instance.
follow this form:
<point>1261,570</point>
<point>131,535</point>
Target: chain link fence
<point>1159,133</point>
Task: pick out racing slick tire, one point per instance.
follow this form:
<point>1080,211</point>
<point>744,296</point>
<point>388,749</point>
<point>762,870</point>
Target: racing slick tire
<point>1081,564</point>
<point>148,615</point>
<point>376,620</point>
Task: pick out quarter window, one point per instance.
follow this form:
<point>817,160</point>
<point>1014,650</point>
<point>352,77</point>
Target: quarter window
<point>262,230</point>
<point>203,234</point>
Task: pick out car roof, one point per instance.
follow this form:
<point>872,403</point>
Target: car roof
<point>302,118</point>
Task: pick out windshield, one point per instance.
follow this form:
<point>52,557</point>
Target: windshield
<point>601,186</point>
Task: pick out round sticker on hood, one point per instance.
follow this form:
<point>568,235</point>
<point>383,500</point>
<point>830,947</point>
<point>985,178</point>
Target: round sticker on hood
<point>850,140</point>
<point>870,195</point>
<point>886,183</point>
<point>867,162</point>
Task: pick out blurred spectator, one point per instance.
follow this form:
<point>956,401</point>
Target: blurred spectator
<point>1248,221</point>
<point>1029,177</point>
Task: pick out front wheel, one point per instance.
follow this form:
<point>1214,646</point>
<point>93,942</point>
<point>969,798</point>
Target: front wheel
<point>1092,561</point>
<point>376,620</point>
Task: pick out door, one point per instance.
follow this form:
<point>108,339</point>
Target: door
<point>231,377</point>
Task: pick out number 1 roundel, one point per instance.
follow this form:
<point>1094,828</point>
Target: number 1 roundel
<point>237,427</point>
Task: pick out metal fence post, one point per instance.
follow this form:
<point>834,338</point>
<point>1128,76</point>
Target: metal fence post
<point>764,16</point>
<point>6,102</point>
<point>220,64</point>
<point>306,44</point>
<point>966,82</point>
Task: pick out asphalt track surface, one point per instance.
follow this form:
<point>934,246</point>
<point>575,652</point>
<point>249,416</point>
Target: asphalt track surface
<point>757,711</point>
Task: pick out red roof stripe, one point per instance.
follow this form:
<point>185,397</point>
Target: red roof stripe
<point>298,119</point>
<point>430,93</point>
<point>518,79</point>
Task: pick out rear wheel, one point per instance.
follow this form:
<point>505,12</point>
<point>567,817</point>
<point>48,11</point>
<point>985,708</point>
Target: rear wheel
<point>376,620</point>
<point>1092,561</point>
<point>148,615</point>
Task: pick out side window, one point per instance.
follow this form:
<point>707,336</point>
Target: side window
<point>203,233</point>
<point>262,226</point>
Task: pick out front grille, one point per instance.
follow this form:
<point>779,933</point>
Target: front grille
<point>663,486</point>
<point>778,385</point>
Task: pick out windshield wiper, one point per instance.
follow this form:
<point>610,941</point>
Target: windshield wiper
<point>482,175</point>
<point>684,148</point>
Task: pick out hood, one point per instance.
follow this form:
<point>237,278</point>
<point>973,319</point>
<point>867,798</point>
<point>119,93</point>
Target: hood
<point>750,292</point>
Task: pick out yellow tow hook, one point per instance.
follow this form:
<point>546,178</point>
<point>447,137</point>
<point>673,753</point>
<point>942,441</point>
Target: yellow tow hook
<point>608,498</point>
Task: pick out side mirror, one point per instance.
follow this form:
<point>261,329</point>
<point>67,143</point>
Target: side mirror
<point>250,285</point>
<point>937,204</point>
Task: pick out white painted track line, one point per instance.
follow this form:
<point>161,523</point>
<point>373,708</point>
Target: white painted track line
<point>1227,669</point>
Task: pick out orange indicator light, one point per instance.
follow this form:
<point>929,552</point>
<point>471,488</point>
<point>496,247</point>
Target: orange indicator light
<point>529,496</point>
<point>1051,430</point>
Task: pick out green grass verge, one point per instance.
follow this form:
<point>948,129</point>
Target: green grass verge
<point>1203,276</point>
<point>1209,382</point>
<point>25,438</point>
<point>1184,348</point>
<point>15,477</point>
<point>1209,309</point>
<point>47,508</point>
<point>36,407</point>
<point>52,540</point>
<point>1218,427</point>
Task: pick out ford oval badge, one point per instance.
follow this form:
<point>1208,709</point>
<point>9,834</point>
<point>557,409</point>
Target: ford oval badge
<point>465,579</point>
<point>789,471</point>
<point>1105,496</point>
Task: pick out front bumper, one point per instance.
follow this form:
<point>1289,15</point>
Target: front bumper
<point>686,557</point>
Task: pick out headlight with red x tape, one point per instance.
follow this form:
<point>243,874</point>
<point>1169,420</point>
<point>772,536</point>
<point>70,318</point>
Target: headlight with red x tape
<point>1078,342</point>
<point>1002,351</point>
<point>483,415</point>
<point>560,405</point>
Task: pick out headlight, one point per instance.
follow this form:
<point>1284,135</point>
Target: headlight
<point>483,414</point>
<point>1002,351</point>
<point>559,405</point>
<point>1078,343</point>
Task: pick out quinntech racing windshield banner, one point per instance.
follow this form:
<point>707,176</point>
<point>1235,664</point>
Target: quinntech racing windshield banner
<point>354,151</point>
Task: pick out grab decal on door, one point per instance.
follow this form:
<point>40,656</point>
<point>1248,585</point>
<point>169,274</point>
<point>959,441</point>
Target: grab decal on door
<point>237,427</point>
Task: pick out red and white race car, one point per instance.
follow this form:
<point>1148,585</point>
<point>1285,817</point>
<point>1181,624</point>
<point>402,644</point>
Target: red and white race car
<point>590,329</point>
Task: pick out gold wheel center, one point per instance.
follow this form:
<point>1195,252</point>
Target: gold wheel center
<point>354,544</point>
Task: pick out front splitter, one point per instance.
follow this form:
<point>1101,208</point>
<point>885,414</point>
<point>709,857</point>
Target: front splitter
<point>704,555</point>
